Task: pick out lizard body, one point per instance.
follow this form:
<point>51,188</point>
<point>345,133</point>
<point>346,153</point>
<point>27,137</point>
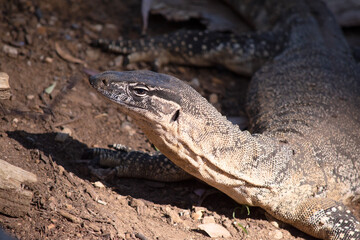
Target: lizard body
<point>301,160</point>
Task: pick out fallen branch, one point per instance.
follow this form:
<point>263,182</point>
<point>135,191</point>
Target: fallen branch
<point>14,198</point>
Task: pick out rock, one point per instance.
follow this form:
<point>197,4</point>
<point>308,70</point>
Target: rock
<point>214,230</point>
<point>10,51</point>
<point>197,209</point>
<point>61,170</point>
<point>4,80</point>
<point>197,215</point>
<point>30,97</point>
<point>208,219</point>
<point>28,39</point>
<point>102,202</point>
<point>5,92</point>
<point>51,226</point>
<point>185,214</point>
<point>213,98</point>
<point>98,184</point>
<point>15,199</point>
<point>48,59</point>
<point>51,202</point>
<point>195,83</point>
<point>276,234</point>
<point>97,27</point>
<point>139,205</point>
<point>68,195</point>
<point>173,215</point>
<point>63,135</point>
<point>118,61</point>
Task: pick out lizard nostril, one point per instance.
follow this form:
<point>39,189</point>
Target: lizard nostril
<point>105,82</point>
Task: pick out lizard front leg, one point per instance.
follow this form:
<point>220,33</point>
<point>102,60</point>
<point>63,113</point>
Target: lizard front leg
<point>135,164</point>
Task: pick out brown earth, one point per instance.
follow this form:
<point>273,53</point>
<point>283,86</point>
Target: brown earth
<point>67,204</point>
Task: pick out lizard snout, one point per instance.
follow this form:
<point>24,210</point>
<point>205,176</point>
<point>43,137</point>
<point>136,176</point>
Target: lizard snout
<point>98,81</point>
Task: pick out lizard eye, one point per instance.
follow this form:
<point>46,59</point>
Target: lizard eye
<point>140,90</point>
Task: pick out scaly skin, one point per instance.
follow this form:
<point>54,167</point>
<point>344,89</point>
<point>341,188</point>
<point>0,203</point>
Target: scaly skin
<point>301,162</point>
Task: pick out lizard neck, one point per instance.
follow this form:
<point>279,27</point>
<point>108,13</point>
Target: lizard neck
<point>207,145</point>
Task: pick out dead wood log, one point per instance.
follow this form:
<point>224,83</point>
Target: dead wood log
<point>14,197</point>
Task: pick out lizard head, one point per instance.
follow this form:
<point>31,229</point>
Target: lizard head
<point>174,117</point>
<point>152,99</point>
<point>144,94</point>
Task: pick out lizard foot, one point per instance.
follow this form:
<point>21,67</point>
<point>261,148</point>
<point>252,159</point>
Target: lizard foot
<point>125,162</point>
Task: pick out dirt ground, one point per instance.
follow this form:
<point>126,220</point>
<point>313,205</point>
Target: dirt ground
<point>69,202</point>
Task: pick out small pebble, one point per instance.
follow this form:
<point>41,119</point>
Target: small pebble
<point>51,226</point>
<point>197,215</point>
<point>28,39</point>
<point>10,51</point>
<point>61,170</point>
<point>173,215</point>
<point>49,59</point>
<point>118,61</point>
<point>68,194</point>
<point>102,202</point>
<point>5,92</point>
<point>214,230</point>
<point>213,98</point>
<point>98,184</point>
<point>276,234</point>
<point>61,137</point>
<point>197,209</point>
<point>30,97</point>
<point>195,83</point>
<point>97,27</point>
<point>208,219</point>
<point>4,81</point>
<point>66,130</point>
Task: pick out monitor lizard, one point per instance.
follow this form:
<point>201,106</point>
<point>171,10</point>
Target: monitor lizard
<point>300,159</point>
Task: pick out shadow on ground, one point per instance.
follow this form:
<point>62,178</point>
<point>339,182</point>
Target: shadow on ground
<point>180,194</point>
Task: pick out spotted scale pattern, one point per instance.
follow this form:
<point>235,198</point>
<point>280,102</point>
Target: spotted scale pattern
<point>136,164</point>
<point>242,54</point>
<point>302,161</point>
